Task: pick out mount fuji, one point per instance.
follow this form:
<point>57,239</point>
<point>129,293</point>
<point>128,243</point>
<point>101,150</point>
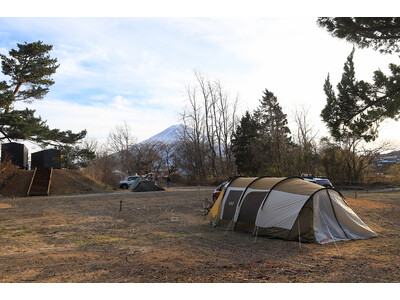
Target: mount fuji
<point>167,136</point>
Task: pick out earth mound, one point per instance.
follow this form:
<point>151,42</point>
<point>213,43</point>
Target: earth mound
<point>64,182</point>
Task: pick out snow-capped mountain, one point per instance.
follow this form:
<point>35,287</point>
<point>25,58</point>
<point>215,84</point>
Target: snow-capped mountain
<point>167,136</point>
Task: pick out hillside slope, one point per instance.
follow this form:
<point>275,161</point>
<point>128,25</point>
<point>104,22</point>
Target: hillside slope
<point>64,182</point>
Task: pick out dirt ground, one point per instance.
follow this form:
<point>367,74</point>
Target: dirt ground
<point>162,237</point>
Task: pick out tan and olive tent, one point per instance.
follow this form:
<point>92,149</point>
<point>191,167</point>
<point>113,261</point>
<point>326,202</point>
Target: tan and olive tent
<point>289,208</point>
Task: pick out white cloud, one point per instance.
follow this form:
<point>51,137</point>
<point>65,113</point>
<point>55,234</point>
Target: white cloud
<point>101,118</point>
<point>121,103</point>
<point>135,69</point>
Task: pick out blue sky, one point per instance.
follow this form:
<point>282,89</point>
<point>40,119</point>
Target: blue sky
<point>135,69</point>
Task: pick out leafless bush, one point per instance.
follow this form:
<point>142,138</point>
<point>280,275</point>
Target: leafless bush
<point>102,168</point>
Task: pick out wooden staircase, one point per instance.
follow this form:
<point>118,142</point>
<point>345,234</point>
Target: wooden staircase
<point>40,183</point>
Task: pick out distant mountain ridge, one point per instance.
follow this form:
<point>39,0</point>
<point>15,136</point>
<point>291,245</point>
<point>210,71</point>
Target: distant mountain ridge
<point>167,136</point>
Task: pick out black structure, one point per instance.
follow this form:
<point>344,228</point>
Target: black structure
<point>17,153</point>
<point>46,159</point>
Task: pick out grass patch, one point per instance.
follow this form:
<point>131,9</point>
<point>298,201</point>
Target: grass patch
<point>19,234</point>
<point>16,231</point>
<point>97,240</point>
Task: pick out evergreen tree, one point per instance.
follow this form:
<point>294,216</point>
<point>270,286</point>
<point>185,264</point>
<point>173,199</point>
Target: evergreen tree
<point>371,103</point>
<point>341,112</point>
<point>75,157</point>
<point>29,69</point>
<point>348,127</point>
<point>275,135</point>
<point>246,146</point>
<point>381,34</point>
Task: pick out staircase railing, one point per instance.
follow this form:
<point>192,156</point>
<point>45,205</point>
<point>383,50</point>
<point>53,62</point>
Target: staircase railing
<point>51,175</point>
<point>30,186</point>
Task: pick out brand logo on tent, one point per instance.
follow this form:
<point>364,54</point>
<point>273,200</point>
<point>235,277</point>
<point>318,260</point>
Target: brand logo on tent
<point>326,241</point>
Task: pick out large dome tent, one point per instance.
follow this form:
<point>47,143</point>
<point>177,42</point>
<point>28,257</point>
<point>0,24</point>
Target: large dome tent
<point>289,208</point>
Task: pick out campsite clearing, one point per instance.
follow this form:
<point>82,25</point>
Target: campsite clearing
<point>162,237</point>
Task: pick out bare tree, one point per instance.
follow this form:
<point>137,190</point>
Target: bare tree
<point>348,161</point>
<point>146,154</point>
<point>165,164</point>
<point>191,145</point>
<point>102,168</point>
<point>305,151</point>
<point>226,122</point>
<point>121,141</point>
<point>91,144</point>
<point>210,120</point>
<point>208,97</point>
<point>358,157</point>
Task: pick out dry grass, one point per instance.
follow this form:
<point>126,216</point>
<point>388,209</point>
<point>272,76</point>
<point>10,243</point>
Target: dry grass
<point>7,171</point>
<point>162,237</point>
<point>64,182</point>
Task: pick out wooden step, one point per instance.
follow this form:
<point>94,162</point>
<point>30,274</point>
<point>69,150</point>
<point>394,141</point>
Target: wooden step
<point>40,183</point>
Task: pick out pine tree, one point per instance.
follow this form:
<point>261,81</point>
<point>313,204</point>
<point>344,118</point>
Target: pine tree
<point>381,34</point>
<point>29,69</point>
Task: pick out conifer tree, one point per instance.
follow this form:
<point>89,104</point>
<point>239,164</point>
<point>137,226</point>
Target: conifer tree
<point>246,146</point>
<point>275,134</point>
<point>368,103</point>
<point>341,111</point>
<point>381,34</point>
<point>348,127</point>
<point>29,69</point>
